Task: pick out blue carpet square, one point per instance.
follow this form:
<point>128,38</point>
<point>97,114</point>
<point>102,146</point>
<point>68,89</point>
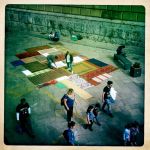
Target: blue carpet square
<point>97,62</point>
<point>17,63</point>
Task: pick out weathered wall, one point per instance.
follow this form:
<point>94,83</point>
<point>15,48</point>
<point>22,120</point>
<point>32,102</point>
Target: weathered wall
<point>113,30</point>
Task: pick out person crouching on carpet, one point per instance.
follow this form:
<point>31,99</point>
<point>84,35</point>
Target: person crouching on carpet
<point>51,61</point>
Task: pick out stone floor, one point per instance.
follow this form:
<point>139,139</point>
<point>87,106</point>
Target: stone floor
<point>49,118</point>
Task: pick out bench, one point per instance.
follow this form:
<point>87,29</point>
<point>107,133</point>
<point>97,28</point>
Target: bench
<point>123,61</point>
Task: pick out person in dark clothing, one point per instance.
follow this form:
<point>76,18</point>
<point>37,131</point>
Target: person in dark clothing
<point>69,134</point>
<point>105,98</point>
<point>51,61</point>
<point>69,61</point>
<point>95,112</point>
<point>120,50</point>
<point>90,117</point>
<point>69,100</point>
<point>134,130</point>
<point>23,112</point>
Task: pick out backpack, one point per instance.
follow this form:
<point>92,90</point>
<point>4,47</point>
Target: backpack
<point>62,99</point>
<point>65,134</point>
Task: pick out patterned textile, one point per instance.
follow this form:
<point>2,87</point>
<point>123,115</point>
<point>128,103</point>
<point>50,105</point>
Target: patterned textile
<point>83,68</point>
<point>41,58</point>
<point>49,51</point>
<point>39,72</point>
<point>33,49</point>
<point>82,83</point>
<point>92,74</point>
<point>48,76</point>
<point>29,59</point>
<point>82,93</point>
<point>35,66</point>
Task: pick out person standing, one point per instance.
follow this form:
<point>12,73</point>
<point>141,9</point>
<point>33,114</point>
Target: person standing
<point>106,98</point>
<point>126,135</point>
<point>69,100</point>
<point>23,112</point>
<point>51,61</point>
<point>90,117</point>
<point>69,133</point>
<point>69,61</point>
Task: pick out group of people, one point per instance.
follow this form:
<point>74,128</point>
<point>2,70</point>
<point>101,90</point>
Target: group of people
<point>69,99</point>
<point>23,112</point>
<point>52,61</point>
<point>130,133</point>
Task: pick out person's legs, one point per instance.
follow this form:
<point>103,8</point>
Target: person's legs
<point>97,121</point>
<point>103,106</point>
<point>90,125</point>
<point>69,114</point>
<point>68,66</point>
<point>28,127</point>
<point>50,64</point>
<point>109,109</point>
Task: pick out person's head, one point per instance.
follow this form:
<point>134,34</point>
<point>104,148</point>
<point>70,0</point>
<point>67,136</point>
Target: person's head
<point>67,52</point>
<point>71,124</point>
<point>109,83</point>
<point>23,100</point>
<point>70,91</point>
<point>90,108</point>
<point>123,46</point>
<point>128,126</point>
<point>97,105</point>
<point>56,57</point>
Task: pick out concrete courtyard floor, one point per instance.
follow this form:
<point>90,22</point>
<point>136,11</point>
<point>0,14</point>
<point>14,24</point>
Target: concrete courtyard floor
<point>48,116</point>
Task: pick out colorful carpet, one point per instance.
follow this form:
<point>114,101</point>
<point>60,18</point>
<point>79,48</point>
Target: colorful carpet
<point>60,85</point>
<point>97,62</point>
<point>92,74</point>
<point>27,54</point>
<point>48,76</point>
<point>82,83</point>
<point>34,49</point>
<point>82,93</point>
<point>49,51</point>
<point>40,58</point>
<point>29,59</point>
<point>17,63</point>
<point>39,72</point>
<point>83,68</point>
<point>35,66</point>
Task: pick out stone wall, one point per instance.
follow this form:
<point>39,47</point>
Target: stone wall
<point>94,28</point>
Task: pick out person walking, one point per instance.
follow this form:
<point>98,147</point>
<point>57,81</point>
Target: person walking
<point>69,100</point>
<point>95,112</point>
<point>51,61</point>
<point>126,135</point>
<point>69,61</point>
<point>90,117</point>
<point>69,133</point>
<point>23,112</point>
<point>106,98</point>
